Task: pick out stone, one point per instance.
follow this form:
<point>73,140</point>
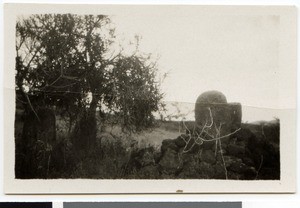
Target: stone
<point>206,170</point>
<point>234,176</point>
<point>208,145</point>
<point>212,97</point>
<point>207,107</point>
<point>208,156</point>
<point>262,148</point>
<point>192,147</point>
<point>169,162</point>
<point>190,169</point>
<point>250,173</point>
<point>235,150</point>
<point>244,135</point>
<point>235,115</point>
<point>229,160</point>
<point>219,171</point>
<point>145,157</point>
<point>248,161</point>
<point>148,172</point>
<point>212,108</point>
<point>140,158</point>
<point>169,144</point>
<point>272,131</point>
<point>238,166</point>
<point>179,140</point>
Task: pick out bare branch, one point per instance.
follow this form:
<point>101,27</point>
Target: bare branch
<point>186,127</point>
<point>34,55</point>
<point>54,81</point>
<point>221,137</point>
<point>69,77</point>
<point>261,162</point>
<point>224,164</point>
<point>29,102</point>
<point>205,125</point>
<point>211,118</point>
<point>63,86</point>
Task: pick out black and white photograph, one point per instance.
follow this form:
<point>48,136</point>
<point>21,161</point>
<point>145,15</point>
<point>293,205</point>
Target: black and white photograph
<point>160,93</point>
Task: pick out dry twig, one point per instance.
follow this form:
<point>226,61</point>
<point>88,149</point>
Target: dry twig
<point>199,137</point>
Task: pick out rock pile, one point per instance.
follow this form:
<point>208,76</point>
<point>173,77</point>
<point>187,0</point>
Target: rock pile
<point>218,147</point>
<point>247,156</point>
<point>242,152</point>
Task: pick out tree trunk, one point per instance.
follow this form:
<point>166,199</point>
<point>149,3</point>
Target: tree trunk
<point>85,132</point>
<point>37,135</point>
<point>93,122</point>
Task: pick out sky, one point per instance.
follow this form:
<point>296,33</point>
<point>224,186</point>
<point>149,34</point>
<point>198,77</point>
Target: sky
<point>234,54</point>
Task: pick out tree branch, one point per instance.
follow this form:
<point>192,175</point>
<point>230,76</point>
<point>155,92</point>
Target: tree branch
<point>29,102</point>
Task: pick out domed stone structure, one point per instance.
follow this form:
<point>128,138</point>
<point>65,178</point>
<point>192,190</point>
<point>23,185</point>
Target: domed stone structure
<point>212,97</point>
<point>212,110</point>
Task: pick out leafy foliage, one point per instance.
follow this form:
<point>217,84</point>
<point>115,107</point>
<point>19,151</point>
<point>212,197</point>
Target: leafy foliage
<point>71,62</point>
<point>136,92</point>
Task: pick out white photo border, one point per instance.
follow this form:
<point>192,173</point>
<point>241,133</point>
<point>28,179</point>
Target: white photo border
<point>287,85</point>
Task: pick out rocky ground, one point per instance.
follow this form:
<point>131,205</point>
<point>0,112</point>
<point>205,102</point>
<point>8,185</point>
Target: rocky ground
<point>252,153</point>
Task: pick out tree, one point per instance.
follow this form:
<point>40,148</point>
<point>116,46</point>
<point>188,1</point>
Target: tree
<point>136,92</point>
<point>68,62</point>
